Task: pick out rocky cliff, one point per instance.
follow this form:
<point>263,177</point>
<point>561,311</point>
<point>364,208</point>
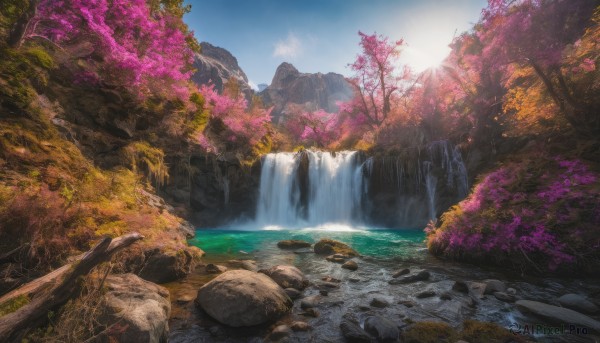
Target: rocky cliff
<point>311,91</point>
<point>217,65</point>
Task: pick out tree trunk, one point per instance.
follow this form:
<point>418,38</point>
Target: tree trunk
<point>19,29</point>
<point>61,289</point>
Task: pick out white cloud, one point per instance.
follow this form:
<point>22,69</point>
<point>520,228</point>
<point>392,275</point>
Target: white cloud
<point>288,48</point>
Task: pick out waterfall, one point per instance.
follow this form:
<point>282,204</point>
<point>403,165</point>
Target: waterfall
<point>333,192</point>
<point>279,192</point>
<point>335,187</point>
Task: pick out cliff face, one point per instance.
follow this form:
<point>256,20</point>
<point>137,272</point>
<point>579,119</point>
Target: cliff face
<point>310,91</point>
<point>218,65</point>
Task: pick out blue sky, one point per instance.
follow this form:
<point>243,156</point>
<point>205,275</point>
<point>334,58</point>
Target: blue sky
<point>322,35</point>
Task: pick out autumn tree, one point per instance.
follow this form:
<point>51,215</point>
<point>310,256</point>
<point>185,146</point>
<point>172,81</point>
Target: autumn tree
<point>529,38</point>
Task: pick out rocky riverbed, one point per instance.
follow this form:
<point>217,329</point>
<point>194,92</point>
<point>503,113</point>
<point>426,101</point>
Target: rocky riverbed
<point>413,298</point>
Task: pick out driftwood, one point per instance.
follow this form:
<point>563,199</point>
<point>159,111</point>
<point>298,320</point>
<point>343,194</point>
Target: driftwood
<point>63,284</point>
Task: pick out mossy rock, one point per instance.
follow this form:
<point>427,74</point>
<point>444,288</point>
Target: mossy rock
<point>430,332</point>
<point>329,246</point>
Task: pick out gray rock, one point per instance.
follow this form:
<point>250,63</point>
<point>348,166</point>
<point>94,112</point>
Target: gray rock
<point>407,303</point>
<point>292,293</point>
<point>426,294</point>
<point>352,331</point>
<point>310,312</point>
<point>557,314</point>
<point>382,328</point>
<point>492,286</point>
<point>140,308</point>
<point>287,277</point>
<point>477,289</point>
<point>309,302</point>
<point>163,267</point>
<point>379,302</point>
<point>461,287</point>
<point>401,272</point>
<point>215,269</point>
<point>293,244</point>
<point>420,276</point>
<point>300,326</point>
<point>446,296</point>
<point>511,291</point>
<point>280,332</point>
<point>578,303</point>
<point>244,264</point>
<point>350,265</point>
<point>243,298</point>
<point>502,296</point>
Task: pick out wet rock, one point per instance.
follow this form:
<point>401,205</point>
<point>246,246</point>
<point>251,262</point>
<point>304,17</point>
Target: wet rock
<point>323,292</point>
<point>578,303</point>
<point>492,286</point>
<point>401,272</point>
<point>139,307</point>
<point>309,302</point>
<point>461,287</point>
<point>330,247</point>
<point>446,296</point>
<point>353,280</point>
<point>511,291</point>
<point>280,332</point>
<point>331,285</point>
<point>243,298</point>
<point>407,303</point>
<point>502,296</point>
<point>186,298</point>
<point>557,314</point>
<point>426,294</point>
<point>292,293</point>
<point>287,277</point>
<point>352,331</point>
<point>379,302</point>
<point>337,258</point>
<point>420,276</point>
<point>310,312</point>
<point>383,329</point>
<point>300,326</point>
<point>477,289</point>
<point>350,265</point>
<point>293,244</point>
<point>330,279</point>
<point>215,268</point>
<point>244,264</point>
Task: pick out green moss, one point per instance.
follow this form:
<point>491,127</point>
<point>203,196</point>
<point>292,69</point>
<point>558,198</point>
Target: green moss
<point>475,331</point>
<point>14,304</point>
<point>430,332</point>
<point>39,57</point>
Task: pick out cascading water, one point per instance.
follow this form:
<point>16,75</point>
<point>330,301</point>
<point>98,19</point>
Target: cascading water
<point>334,189</point>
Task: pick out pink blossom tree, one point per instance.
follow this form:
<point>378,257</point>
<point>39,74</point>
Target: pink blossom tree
<point>377,82</point>
<point>318,127</point>
<point>128,45</point>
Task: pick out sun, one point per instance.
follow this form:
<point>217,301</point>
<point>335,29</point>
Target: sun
<point>425,55</point>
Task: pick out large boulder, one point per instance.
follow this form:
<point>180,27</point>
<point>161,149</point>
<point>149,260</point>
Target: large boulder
<point>578,303</point>
<point>287,276</point>
<point>134,310</point>
<point>382,328</point>
<point>162,266</point>
<point>329,247</point>
<point>243,298</point>
<point>557,314</point>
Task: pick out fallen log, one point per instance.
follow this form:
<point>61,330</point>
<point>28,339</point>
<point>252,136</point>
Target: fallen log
<point>62,285</point>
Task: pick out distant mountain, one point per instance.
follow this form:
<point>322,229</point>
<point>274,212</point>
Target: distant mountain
<point>262,86</point>
<point>311,91</point>
<point>217,65</point>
